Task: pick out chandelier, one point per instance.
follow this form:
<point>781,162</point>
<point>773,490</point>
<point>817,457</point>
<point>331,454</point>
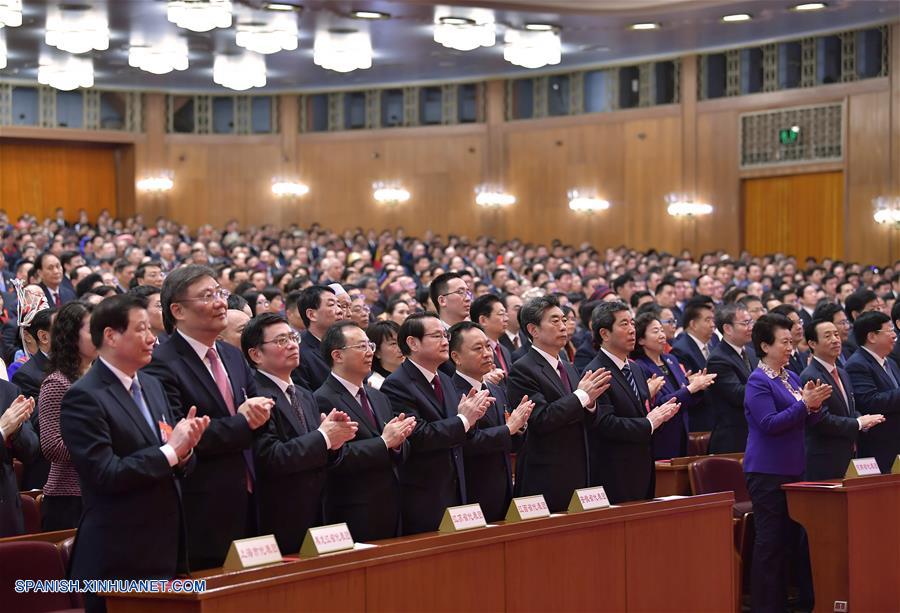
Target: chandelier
<point>199,15</point>
<point>887,210</point>
<point>10,13</point>
<point>160,58</point>
<point>493,197</point>
<point>240,72</point>
<point>680,206</point>
<point>390,193</point>
<point>532,48</point>
<point>585,202</point>
<point>156,185</point>
<point>270,37</point>
<point>76,29</point>
<point>66,73</point>
<point>343,50</point>
<point>476,28</point>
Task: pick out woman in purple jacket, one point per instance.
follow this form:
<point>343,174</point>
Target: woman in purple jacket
<point>670,439</point>
<point>777,410</point>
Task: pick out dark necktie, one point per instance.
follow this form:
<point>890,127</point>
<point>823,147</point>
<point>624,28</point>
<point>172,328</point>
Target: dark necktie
<point>887,369</point>
<point>57,302</point>
<point>298,409</point>
<point>629,376</point>
<point>746,360</point>
<point>367,408</point>
<point>438,391</point>
<point>142,405</point>
<point>498,357</point>
<point>567,385</point>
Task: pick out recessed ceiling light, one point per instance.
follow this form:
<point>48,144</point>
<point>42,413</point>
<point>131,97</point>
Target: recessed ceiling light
<point>456,21</point>
<point>369,15</point>
<point>281,6</point>
<point>810,6</point>
<point>736,18</point>
<point>539,27</point>
<point>645,26</point>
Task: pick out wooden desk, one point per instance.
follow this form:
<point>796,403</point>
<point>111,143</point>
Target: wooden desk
<point>673,555</point>
<point>672,477</point>
<point>854,540</point>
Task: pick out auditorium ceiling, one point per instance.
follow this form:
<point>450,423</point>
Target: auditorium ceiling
<point>592,32</point>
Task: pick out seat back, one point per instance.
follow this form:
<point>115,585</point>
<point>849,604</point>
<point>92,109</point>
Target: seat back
<point>31,514</point>
<point>698,443</point>
<point>30,560</point>
<point>712,474</point>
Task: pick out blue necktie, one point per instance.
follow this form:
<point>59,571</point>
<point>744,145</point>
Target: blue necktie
<point>142,405</point>
<point>629,376</point>
<point>887,369</point>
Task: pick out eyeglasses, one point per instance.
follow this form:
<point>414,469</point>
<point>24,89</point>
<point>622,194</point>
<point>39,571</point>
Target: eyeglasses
<point>207,297</point>
<point>462,293</point>
<point>368,346</point>
<point>284,340</point>
<point>668,322</point>
<point>438,335</point>
<point>746,323</point>
<point>360,309</point>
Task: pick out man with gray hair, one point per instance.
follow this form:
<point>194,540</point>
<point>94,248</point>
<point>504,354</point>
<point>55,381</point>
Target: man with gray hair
<point>731,361</point>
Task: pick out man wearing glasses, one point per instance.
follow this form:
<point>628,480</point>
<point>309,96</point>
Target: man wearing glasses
<point>451,297</point>
<point>292,451</point>
<point>732,362</point>
<point>363,490</point>
<point>433,476</point>
<point>197,370</point>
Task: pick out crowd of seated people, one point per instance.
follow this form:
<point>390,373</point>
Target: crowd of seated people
<point>187,389</point>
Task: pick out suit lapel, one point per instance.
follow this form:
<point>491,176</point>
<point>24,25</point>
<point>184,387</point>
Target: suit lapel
<point>129,407</point>
<point>549,373</point>
<point>269,387</point>
<point>382,411</point>
<point>424,387</point>
<point>350,404</point>
<point>620,379</point>
<point>198,369</point>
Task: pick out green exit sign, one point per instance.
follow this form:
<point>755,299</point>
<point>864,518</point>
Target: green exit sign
<point>789,136</point>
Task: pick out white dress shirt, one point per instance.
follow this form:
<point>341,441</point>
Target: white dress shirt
<point>581,394</point>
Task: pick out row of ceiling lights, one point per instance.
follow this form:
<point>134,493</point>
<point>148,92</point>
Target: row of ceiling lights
<point>77,29</point>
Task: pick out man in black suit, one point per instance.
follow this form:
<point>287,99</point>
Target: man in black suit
<point>830,311</point>
<point>51,272</point>
<point>319,308</point>
<point>488,311</point>
<point>554,459</point>
<point>799,359</point>
<point>17,440</point>
<point>364,488</point>
<point>732,362</point>
<point>514,339</point>
<point>830,441</point>
<point>876,386</point>
<point>196,370</point>
<point>433,476</point>
<point>129,448</point>
<point>621,450</point>
<point>28,378</point>
<point>292,451</point>
<point>692,348</point>
<point>486,454</point>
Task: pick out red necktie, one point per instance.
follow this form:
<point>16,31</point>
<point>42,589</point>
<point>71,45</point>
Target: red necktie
<point>564,376</point>
<point>438,391</point>
<point>500,361</point>
<point>367,408</point>
<point>838,384</point>
<point>56,299</point>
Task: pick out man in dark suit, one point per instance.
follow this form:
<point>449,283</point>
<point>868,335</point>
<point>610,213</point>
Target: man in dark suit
<point>554,459</point>
<point>875,386</point>
<point>621,444</point>
<point>514,339</point>
<point>732,362</point>
<point>486,454</point>
<point>28,378</point>
<point>17,440</point>
<point>319,308</point>
<point>291,452</point>
<point>51,271</point>
<point>488,311</point>
<point>433,476</point>
<point>364,488</point>
<point>692,348</point>
<point>799,359</point>
<point>829,311</point>
<point>196,370</point>
<point>129,448</point>
<point>830,442</point>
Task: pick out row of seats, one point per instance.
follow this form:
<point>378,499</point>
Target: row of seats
<point>36,560</point>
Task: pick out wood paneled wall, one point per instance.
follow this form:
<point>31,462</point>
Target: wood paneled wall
<point>633,158</point>
<point>38,177</point>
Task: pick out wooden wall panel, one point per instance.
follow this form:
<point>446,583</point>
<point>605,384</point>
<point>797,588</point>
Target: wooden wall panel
<point>718,183</point>
<point>868,176</point>
<point>37,177</point>
<point>796,215</point>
